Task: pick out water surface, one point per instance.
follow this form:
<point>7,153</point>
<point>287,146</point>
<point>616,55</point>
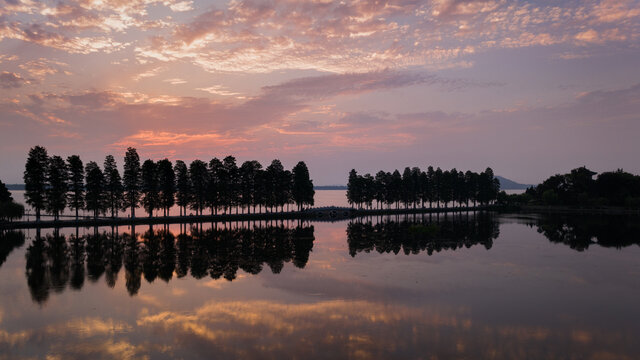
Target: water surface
<point>462,286</point>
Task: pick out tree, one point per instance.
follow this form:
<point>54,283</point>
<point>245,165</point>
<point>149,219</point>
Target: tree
<point>381,181</point>
<point>408,188</point>
<point>395,188</point>
<point>353,190</point>
<point>149,187</point>
<point>114,190</point>
<point>76,183</point>
<point>57,186</point>
<point>232,183</point>
<point>35,179</point>
<point>248,174</point>
<point>302,189</point>
<point>132,180</point>
<point>183,186</point>
<point>94,191</point>
<point>217,174</point>
<point>5,195</point>
<point>10,211</point>
<point>199,178</point>
<point>167,185</point>
<point>274,175</point>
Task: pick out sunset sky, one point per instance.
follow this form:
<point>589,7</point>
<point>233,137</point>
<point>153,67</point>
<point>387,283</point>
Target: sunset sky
<point>530,88</point>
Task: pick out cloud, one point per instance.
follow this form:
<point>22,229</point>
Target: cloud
<point>320,87</point>
<point>9,80</point>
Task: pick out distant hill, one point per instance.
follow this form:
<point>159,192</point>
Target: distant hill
<point>506,184</point>
<point>15,186</point>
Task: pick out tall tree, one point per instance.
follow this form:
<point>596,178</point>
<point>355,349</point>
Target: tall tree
<point>183,186</point>
<point>35,178</point>
<point>408,188</point>
<point>273,175</point>
<point>353,189</point>
<point>76,183</point>
<point>215,186</point>
<point>395,188</point>
<point>57,186</point>
<point>94,195</point>
<point>302,189</point>
<point>167,184</point>
<point>381,182</point>
<point>114,190</point>
<point>199,178</point>
<point>232,197</point>
<point>132,180</point>
<point>149,187</point>
<point>248,173</point>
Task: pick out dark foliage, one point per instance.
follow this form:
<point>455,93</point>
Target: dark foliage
<point>415,188</point>
<point>579,188</point>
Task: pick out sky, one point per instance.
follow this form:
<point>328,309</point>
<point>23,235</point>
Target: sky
<point>528,88</point>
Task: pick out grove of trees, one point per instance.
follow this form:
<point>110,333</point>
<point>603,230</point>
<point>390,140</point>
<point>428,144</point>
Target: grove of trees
<point>415,188</point>
<point>53,184</point>
<point>579,188</point>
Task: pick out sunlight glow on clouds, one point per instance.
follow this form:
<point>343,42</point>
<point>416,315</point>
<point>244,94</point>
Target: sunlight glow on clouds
<point>385,81</point>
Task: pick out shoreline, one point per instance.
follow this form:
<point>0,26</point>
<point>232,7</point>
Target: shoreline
<point>331,213</point>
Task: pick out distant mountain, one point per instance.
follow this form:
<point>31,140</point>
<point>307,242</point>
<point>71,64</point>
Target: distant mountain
<point>330,187</point>
<point>506,184</point>
<point>15,186</point>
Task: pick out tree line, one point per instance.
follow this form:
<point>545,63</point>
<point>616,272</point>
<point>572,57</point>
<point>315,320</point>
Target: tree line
<point>580,188</point>
<point>52,184</point>
<point>415,187</point>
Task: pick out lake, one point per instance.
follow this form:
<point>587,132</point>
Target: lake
<point>463,286</point>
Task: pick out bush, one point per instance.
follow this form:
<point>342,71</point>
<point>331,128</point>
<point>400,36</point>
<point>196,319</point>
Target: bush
<point>10,211</point>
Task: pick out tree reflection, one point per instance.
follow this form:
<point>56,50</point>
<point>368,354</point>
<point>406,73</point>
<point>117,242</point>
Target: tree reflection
<point>9,241</point>
<point>580,232</point>
<point>55,262</point>
<point>418,235</point>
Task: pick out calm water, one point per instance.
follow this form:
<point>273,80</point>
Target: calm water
<point>468,286</point>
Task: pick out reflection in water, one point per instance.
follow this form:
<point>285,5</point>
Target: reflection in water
<point>53,262</point>
<point>580,232</point>
<point>9,240</point>
<point>413,237</point>
<point>526,298</point>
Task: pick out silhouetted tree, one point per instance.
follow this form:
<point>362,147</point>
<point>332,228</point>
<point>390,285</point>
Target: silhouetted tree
<point>57,186</point>
<point>183,186</point>
<point>167,184</point>
<point>5,195</point>
<point>248,173</point>
<point>76,183</point>
<point>232,182</point>
<point>216,186</point>
<point>354,191</point>
<point>35,178</point>
<point>302,189</point>
<point>149,187</point>
<point>274,176</point>
<point>132,180</point>
<point>114,190</point>
<point>94,196</point>
<point>199,177</point>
